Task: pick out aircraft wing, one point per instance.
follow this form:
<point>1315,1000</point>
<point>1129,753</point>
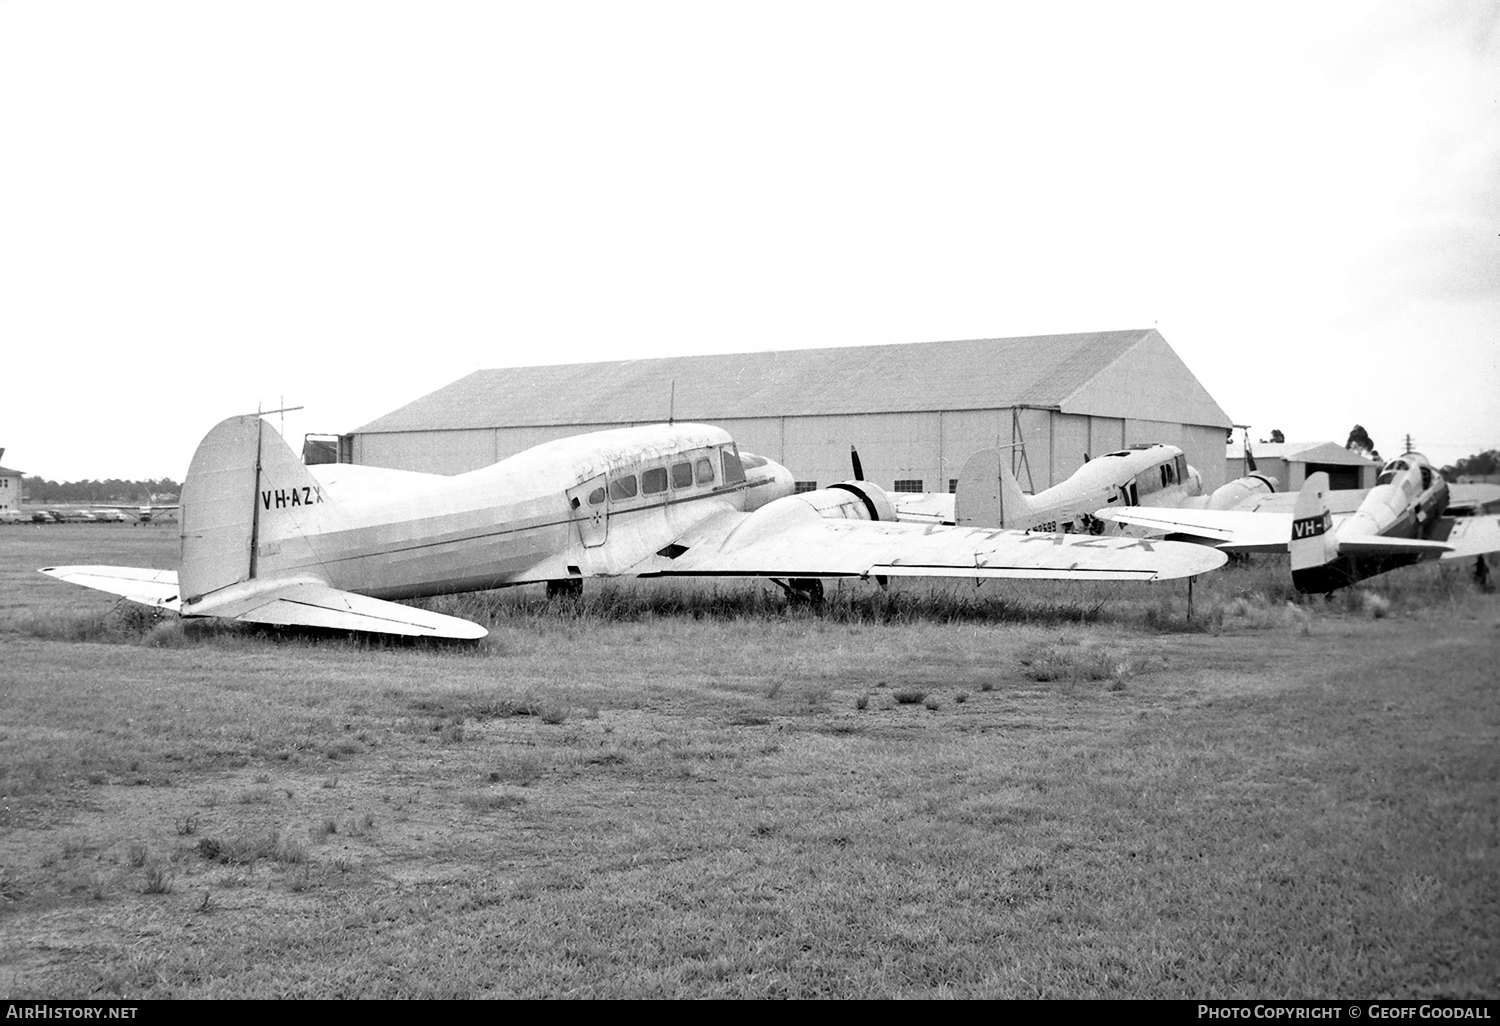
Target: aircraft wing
<point>148,587</point>
<point>1230,530</point>
<point>1470,499</point>
<point>1340,500</point>
<point>923,507</point>
<point>735,544</point>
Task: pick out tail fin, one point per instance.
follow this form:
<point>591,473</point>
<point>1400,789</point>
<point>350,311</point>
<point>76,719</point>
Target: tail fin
<point>989,494</point>
<point>1313,545</point>
<point>241,471</point>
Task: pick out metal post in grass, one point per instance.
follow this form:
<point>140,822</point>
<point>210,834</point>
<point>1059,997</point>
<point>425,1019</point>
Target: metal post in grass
<point>1190,598</point>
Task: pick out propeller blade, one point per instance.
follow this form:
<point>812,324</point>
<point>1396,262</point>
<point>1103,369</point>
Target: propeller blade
<point>859,470</point>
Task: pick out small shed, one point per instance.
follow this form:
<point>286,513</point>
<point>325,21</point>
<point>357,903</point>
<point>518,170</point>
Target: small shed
<point>1291,463</point>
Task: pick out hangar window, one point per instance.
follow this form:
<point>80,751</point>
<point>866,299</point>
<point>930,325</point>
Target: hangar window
<point>804,486</point>
<point>622,487</point>
<point>682,475</point>
<point>596,496</point>
<point>704,469</point>
<point>908,484</point>
<point>654,481</point>
<point>734,472</point>
<point>953,486</point>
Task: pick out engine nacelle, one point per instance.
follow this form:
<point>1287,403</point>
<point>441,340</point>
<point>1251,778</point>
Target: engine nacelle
<point>877,503</point>
<point>851,500</point>
<point>1231,495</point>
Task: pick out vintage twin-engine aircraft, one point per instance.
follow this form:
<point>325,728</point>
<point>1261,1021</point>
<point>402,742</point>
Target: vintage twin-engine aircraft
<point>988,494</point>
<point>269,540</point>
<point>1399,522</point>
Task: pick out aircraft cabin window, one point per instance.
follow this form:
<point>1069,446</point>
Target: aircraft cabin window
<point>704,469</point>
<point>596,496</point>
<point>734,472</point>
<point>682,475</point>
<point>654,481</point>
<point>622,487</point>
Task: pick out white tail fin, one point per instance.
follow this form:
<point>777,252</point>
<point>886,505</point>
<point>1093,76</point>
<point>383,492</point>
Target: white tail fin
<point>241,470</point>
<point>1313,545</point>
<point>989,494</point>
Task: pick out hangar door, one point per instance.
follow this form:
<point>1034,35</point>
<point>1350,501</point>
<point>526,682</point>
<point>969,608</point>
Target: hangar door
<point>1340,477</point>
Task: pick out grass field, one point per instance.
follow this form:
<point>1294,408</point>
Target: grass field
<point>678,792</point>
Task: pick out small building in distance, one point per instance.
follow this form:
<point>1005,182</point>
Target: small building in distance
<point>915,411</point>
<point>1292,462</point>
<point>10,485</point>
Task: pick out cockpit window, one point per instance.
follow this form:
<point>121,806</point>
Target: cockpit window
<point>734,472</point>
<point>682,475</point>
<point>704,469</point>
<point>622,487</point>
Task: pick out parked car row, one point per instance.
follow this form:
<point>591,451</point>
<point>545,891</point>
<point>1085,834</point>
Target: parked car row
<point>63,516</point>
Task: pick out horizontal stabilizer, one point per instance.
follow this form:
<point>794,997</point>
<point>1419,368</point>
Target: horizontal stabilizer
<point>306,603</point>
<point>1473,536</point>
<point>148,587</point>
<point>1380,545</point>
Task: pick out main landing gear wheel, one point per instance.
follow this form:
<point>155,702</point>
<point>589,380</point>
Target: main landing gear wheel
<point>802,590</point>
<point>570,588</point>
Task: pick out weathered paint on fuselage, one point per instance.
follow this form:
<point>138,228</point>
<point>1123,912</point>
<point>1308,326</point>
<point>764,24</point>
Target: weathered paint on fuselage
<point>524,519</point>
<point>1154,476</point>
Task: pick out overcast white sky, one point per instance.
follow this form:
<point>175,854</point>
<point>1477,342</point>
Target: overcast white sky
<point>208,206</point>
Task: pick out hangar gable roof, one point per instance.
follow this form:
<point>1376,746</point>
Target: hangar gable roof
<point>1077,373</point>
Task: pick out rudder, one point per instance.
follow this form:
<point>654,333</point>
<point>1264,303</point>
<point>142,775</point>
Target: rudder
<point>223,499</point>
<point>989,496</point>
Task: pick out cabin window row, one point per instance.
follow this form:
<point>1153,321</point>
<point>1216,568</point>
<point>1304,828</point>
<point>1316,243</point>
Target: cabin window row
<point>656,480</point>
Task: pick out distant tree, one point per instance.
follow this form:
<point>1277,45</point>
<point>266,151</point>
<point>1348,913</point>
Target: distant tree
<point>1479,465</point>
<point>113,490</point>
<point>1360,442</point>
<point>1277,436</point>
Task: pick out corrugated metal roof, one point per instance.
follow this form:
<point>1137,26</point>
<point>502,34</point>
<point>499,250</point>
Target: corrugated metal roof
<point>974,374</point>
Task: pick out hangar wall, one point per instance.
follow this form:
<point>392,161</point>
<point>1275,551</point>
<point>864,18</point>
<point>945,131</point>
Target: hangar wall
<point>925,447</point>
<point>915,411</point>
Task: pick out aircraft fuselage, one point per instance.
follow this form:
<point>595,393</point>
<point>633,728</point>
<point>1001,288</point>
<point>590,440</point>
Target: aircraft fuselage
<point>562,510</point>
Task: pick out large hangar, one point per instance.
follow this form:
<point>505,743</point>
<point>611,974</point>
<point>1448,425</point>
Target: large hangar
<point>915,411</point>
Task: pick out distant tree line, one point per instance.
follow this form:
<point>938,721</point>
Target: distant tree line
<point>112,490</point>
<point>1478,465</point>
